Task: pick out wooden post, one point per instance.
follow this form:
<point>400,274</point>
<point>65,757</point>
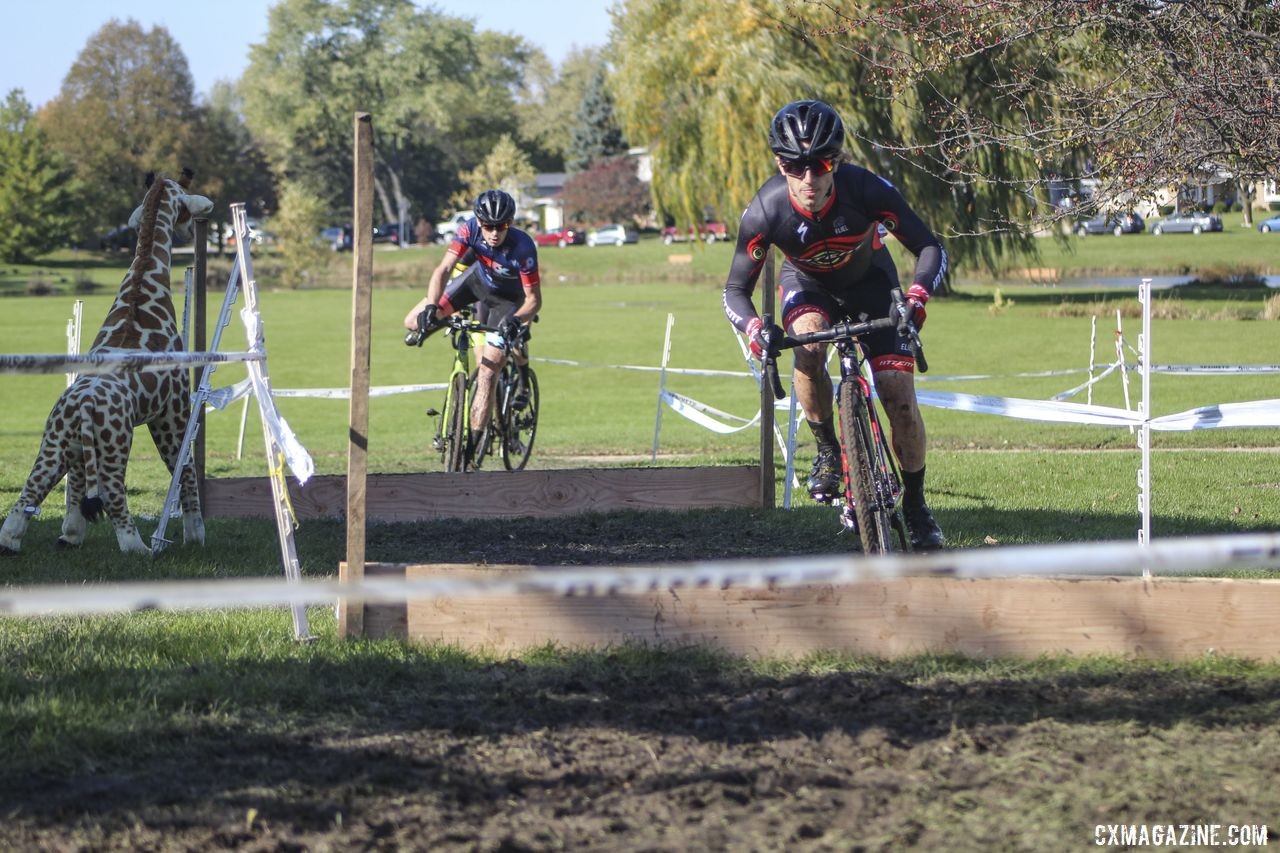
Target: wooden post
<point>351,616</point>
<point>198,337</point>
<point>766,399</point>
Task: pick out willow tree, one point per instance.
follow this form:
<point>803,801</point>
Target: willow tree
<point>696,81</point>
<point>441,94</point>
<point>699,80</point>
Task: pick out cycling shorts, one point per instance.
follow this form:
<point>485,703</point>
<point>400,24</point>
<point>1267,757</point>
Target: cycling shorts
<point>867,299</point>
<point>469,288</point>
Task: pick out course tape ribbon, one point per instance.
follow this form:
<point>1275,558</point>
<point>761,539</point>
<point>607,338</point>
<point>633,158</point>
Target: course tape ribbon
<point>220,398</point>
<point>1088,559</point>
<point>704,415</point>
<point>1258,413</point>
<point>113,361</point>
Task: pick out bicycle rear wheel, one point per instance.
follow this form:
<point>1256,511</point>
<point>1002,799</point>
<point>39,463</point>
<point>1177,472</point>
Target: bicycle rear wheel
<point>864,484</point>
<point>519,425</point>
<point>455,413</point>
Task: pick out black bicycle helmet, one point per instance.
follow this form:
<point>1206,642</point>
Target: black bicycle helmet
<point>806,129</point>
<point>493,207</point>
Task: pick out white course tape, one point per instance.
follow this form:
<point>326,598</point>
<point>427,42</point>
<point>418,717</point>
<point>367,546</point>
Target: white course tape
<point>1259,413</point>
<point>1211,369</point>
<point>295,455</point>
<point>220,398</point>
<point>1100,558</point>
<point>110,362</point>
<point>704,415</point>
<point>680,370</point>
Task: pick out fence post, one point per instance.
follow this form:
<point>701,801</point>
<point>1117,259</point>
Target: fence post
<point>351,614</point>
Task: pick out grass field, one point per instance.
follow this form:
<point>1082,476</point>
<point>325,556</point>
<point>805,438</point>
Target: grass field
<point>185,731</point>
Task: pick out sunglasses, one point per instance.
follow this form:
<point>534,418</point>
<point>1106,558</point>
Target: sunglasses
<point>495,226</point>
<point>797,168</point>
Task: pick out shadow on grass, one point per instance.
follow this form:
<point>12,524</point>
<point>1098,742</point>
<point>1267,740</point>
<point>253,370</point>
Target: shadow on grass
<point>249,548</point>
<point>299,738</point>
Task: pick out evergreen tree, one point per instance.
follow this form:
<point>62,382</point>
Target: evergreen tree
<point>596,135</point>
<point>36,191</point>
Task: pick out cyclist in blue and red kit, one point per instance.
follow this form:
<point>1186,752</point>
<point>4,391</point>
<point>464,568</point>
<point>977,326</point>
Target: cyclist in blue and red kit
<point>825,218</point>
<point>501,280</point>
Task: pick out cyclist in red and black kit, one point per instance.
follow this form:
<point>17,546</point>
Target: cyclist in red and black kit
<point>825,218</point>
<point>501,280</point>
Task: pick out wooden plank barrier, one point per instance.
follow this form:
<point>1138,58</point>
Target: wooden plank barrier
<point>495,494</point>
<point>1160,618</point>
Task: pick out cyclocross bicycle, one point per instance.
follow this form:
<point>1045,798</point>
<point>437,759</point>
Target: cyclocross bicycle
<point>872,495</point>
<point>513,420</point>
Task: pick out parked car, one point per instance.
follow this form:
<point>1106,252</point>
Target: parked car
<point>708,232</point>
<point>332,238</point>
<point>1192,222</point>
<point>1115,223</point>
<point>611,235</point>
<point>560,237</point>
<point>389,232</point>
<point>446,229</point>
<point>1266,226</point>
<point>120,238</point>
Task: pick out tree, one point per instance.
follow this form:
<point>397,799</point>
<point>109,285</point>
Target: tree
<point>232,166</point>
<point>1134,96</point>
<point>972,107</point>
<point>595,134</point>
<point>505,168</point>
<point>697,81</point>
<point>548,106</point>
<point>125,108</point>
<point>36,190</point>
<point>438,92</point>
<point>297,226</point>
<point>609,191</point>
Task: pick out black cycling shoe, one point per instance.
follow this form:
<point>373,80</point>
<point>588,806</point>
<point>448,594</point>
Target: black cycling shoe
<point>824,479</point>
<point>926,535</point>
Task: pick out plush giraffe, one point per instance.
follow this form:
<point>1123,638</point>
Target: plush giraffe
<point>90,430</point>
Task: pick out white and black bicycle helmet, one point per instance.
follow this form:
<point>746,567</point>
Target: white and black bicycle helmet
<point>807,129</point>
<point>494,207</point>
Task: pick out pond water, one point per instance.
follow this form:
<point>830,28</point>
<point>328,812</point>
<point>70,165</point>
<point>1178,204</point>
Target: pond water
<point>1158,282</point>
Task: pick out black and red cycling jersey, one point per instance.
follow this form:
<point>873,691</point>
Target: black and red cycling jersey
<point>834,248</point>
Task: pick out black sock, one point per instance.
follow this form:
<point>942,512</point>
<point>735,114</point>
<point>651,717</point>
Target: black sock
<point>913,486</point>
<point>825,433</point>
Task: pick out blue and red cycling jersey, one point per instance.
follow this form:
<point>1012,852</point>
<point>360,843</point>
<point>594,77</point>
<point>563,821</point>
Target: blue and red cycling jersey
<point>506,270</point>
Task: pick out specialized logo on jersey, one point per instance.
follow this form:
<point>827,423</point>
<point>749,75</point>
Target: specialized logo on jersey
<point>830,254</point>
<point>803,231</point>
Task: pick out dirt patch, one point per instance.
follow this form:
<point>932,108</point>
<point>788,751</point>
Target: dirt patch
<point>245,742</point>
<point>674,751</point>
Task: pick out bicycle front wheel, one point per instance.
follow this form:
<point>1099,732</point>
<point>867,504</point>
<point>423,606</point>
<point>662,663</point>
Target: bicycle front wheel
<point>873,501</point>
<point>455,414</point>
<point>520,424</point>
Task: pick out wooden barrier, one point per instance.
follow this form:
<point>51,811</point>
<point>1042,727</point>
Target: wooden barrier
<point>1161,618</point>
<point>495,494</point>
